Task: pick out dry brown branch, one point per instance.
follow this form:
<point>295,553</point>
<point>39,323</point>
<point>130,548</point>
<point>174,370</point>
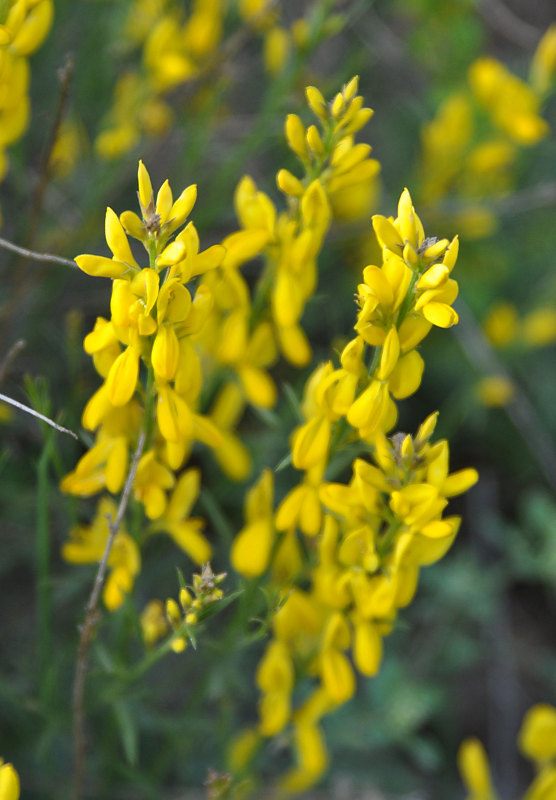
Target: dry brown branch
<point>86,631</point>
<point>22,251</point>
<point>10,357</point>
<point>11,402</point>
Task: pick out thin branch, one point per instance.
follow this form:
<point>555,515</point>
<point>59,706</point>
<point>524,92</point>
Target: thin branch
<point>88,625</point>
<point>10,357</point>
<point>64,76</point>
<point>509,25</point>
<point>36,414</point>
<point>22,251</point>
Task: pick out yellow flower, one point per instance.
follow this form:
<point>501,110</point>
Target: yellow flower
<point>9,782</point>
<point>175,520</point>
<point>154,624</point>
<point>251,548</point>
<point>537,737</point>
<point>495,391</point>
<point>88,543</point>
<point>474,770</point>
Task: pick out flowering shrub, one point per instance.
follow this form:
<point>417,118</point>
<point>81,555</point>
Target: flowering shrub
<point>259,349</point>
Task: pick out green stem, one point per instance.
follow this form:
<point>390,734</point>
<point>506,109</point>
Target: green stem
<point>408,300</point>
<point>42,528</point>
<point>388,537</point>
<point>149,407</point>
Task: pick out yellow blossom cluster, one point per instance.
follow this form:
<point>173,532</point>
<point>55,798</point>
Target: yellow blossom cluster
<point>504,328</point>
<point>245,335</point>
<point>472,144</point>
<point>24,24</point>
<point>158,619</point>
<point>160,340</point>
<point>281,39</point>
<point>537,742</point>
<point>176,46</point>
<point>150,369</point>
<point>346,557</point>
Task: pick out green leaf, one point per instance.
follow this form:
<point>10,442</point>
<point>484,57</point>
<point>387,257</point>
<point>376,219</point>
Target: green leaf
<point>128,731</point>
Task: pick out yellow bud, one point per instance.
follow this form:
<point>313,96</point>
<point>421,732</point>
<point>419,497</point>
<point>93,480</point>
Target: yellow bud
<point>337,675</point>
<point>181,209</point>
<point>434,277</point>
<point>295,135</point>
<point>359,120</point>
<point>179,644</point>
<point>367,649</point>
<point>537,737</point>
<point>310,443</point>
<point>389,355</point>
<point>474,769</point>
<point>543,64</point>
<point>145,185</point>
<point>276,49</point>
<point>440,314</point>
<point>289,184</point>
<point>350,89</point>
<point>314,140</point>
<point>173,612</point>
<point>316,102</point>
<point>426,429</point>
<point>122,378</point>
<point>165,353</point>
<point>164,201</point>
<point>9,782</point>
<point>185,598</point>
<point>338,105</point>
<point>495,391</point>
<point>407,450</point>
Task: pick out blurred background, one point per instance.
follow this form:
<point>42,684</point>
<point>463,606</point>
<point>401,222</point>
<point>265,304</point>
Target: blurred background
<point>464,117</point>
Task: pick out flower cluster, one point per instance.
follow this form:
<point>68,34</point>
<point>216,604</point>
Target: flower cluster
<point>87,544</point>
<point>243,335</point>
<point>247,336</point>
<point>472,145</point>
<point>537,742</point>
<point>157,619</point>
<point>23,27</point>
<point>175,49</point>
<point>362,543</point>
<point>151,372</point>
<point>281,39</point>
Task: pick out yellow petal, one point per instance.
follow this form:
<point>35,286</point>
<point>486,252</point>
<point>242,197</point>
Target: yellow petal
<point>251,548</point>
<point>102,267</point>
<point>122,378</point>
<point>116,238</point>
<point>337,675</point>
